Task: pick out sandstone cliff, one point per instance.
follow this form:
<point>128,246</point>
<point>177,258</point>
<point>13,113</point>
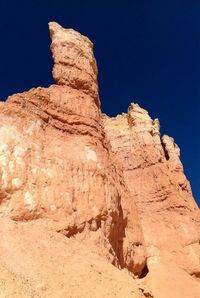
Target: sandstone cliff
<point>80,191</point>
<point>168,213</point>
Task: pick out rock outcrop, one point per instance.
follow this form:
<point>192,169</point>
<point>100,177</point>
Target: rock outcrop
<point>155,178</point>
<point>56,163</point>
<point>94,189</point>
<point>74,62</point>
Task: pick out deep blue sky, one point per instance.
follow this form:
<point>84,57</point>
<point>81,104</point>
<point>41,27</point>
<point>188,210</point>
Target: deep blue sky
<point>148,51</point>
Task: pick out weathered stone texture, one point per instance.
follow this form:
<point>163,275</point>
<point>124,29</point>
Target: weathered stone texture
<point>56,164</point>
<point>97,186</point>
<point>155,178</point>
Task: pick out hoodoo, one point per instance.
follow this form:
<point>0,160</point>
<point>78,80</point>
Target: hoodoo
<point>91,206</point>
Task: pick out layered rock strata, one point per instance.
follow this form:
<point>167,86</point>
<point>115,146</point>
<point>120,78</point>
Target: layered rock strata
<point>56,162</point>
<point>155,178</point>
<point>79,189</point>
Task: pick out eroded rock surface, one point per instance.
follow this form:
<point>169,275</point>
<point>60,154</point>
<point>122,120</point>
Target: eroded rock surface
<point>155,178</point>
<point>110,187</point>
<point>56,162</point>
<point>74,62</point>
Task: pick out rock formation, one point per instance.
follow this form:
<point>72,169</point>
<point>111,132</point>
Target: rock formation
<point>168,213</point>
<point>80,191</point>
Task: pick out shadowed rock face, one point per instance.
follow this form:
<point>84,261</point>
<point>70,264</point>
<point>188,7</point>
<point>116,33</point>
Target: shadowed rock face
<point>104,183</point>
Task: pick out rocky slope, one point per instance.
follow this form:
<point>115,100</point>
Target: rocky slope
<point>81,192</point>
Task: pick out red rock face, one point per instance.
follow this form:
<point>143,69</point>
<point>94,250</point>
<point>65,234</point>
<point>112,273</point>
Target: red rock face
<point>155,178</point>
<point>74,62</point>
<point>106,184</point>
<point>56,162</point>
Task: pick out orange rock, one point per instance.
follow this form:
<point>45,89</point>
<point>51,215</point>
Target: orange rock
<point>80,191</point>
<point>155,178</point>
<point>74,62</point>
<point>56,162</point>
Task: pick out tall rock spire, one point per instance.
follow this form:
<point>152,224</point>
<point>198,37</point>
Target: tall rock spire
<point>74,62</point>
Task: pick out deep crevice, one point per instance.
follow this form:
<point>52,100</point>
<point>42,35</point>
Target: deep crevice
<point>196,274</point>
<point>144,272</point>
<point>165,150</point>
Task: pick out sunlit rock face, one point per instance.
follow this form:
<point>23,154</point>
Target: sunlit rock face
<point>105,190</point>
<point>74,62</point>
<point>155,178</point>
<point>56,162</point>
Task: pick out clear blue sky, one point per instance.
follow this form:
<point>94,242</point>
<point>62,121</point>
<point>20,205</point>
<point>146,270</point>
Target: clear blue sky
<point>148,51</point>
